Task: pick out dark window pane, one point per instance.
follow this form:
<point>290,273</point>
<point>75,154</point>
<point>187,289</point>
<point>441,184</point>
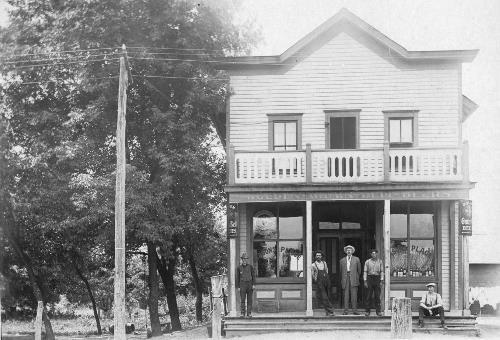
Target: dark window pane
<point>421,225</point>
<point>264,254</point>
<point>291,259</point>
<point>399,224</point>
<point>422,258</point>
<point>265,227</point>
<point>336,133</point>
<point>399,257</point>
<point>349,132</point>
<point>343,132</point>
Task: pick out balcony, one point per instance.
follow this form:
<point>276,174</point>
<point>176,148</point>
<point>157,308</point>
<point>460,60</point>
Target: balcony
<point>348,166</point>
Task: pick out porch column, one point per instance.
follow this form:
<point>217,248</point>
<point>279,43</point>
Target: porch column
<point>309,309</point>
<point>387,255</point>
<point>232,276</point>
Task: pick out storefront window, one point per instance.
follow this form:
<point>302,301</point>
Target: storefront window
<point>412,239</point>
<point>278,242</point>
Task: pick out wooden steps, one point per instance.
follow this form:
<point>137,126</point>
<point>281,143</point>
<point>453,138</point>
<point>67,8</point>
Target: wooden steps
<point>234,326</point>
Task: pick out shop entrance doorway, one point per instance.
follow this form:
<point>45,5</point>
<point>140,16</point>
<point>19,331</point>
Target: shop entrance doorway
<point>333,249</point>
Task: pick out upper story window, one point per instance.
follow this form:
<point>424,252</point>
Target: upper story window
<point>342,129</point>
<point>284,135</point>
<point>285,131</point>
<point>401,128</point>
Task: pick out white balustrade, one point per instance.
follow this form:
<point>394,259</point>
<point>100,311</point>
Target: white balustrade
<point>349,166</point>
<point>270,167</point>
<point>420,165</point>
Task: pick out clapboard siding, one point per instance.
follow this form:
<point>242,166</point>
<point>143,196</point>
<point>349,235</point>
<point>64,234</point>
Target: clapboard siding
<point>347,74</point>
<point>444,229</point>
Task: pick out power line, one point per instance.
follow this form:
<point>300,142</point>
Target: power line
<point>68,51</point>
<point>54,81</point>
<point>55,58</point>
<point>179,77</point>
<point>64,63</point>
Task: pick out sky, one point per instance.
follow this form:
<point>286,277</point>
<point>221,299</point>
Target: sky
<point>417,25</point>
<point>422,25</point>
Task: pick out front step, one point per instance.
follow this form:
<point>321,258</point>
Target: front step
<point>271,324</point>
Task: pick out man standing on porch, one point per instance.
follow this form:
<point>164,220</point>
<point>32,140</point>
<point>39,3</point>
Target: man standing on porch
<point>350,270</point>
<point>319,271</point>
<point>245,281</point>
<point>373,275</point>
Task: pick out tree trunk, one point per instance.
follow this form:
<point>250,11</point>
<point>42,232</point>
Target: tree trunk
<point>198,288</point>
<point>154,290</point>
<point>7,220</point>
<point>91,295</point>
<point>166,270</point>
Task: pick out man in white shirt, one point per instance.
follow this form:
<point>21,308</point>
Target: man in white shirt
<point>373,275</point>
<point>431,304</point>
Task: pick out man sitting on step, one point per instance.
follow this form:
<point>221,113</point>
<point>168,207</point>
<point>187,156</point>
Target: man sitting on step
<point>431,304</point>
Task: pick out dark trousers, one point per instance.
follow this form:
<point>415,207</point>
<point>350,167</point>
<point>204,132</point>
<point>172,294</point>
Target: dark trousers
<point>323,292</point>
<point>373,293</point>
<point>435,311</point>
<point>351,291</point>
<point>246,293</point>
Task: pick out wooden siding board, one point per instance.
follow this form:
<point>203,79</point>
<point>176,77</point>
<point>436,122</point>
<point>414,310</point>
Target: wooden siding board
<point>445,258</point>
<point>345,74</point>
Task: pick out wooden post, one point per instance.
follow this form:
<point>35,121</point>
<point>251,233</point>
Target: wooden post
<point>308,164</point>
<point>232,276</point>
<point>401,327</point>
<point>231,164</point>
<point>387,255</point>
<point>309,260</point>
<point>387,161</point>
<point>39,321</point>
<point>465,250</point>
<point>465,161</point>
<point>217,284</point>
<point>119,294</point>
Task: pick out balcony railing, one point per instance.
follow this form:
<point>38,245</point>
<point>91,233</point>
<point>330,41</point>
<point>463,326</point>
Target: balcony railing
<point>347,166</point>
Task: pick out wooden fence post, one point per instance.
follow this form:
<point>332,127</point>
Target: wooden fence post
<point>218,283</point>
<point>401,327</point>
<point>39,321</point>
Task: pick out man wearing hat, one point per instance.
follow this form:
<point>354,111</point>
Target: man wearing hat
<point>373,275</point>
<point>350,270</point>
<point>245,281</point>
<point>431,304</point>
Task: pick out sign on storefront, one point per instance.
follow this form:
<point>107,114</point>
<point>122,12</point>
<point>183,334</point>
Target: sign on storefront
<point>465,217</point>
<point>232,218</point>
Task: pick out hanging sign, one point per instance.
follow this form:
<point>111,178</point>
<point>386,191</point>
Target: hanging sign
<point>465,217</point>
<point>232,218</point>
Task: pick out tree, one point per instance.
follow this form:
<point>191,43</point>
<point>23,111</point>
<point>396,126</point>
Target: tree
<point>71,98</point>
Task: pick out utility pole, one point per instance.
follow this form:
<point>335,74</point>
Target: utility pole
<point>119,297</point>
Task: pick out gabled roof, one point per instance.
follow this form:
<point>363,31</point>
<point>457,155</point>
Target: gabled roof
<point>342,17</point>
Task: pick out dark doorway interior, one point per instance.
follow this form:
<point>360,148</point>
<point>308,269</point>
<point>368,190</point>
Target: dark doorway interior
<point>336,225</point>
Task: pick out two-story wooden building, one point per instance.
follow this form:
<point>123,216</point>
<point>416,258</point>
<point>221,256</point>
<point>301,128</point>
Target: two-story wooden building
<point>348,138</point>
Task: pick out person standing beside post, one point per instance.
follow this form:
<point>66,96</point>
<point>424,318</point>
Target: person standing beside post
<point>350,270</point>
<point>245,281</point>
<point>373,276</point>
<point>319,270</point>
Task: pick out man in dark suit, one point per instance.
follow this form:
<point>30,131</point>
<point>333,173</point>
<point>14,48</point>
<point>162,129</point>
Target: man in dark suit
<point>350,270</point>
<point>245,281</point>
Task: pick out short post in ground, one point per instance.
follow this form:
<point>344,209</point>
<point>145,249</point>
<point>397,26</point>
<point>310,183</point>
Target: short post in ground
<point>401,321</point>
